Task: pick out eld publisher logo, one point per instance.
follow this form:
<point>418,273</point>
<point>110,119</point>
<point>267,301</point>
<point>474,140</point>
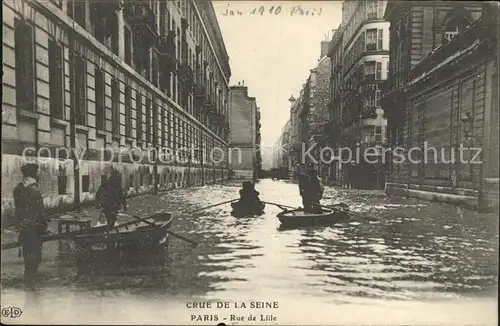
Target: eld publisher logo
<point>11,312</point>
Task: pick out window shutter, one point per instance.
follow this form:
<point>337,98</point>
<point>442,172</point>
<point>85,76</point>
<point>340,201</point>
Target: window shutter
<point>24,44</point>
<point>379,71</point>
<point>380,39</point>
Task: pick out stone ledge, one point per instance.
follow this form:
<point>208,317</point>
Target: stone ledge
<point>398,189</point>
<point>445,190</point>
<point>469,201</point>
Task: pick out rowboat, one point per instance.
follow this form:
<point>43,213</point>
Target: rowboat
<point>298,218</point>
<point>240,210</point>
<point>131,238</point>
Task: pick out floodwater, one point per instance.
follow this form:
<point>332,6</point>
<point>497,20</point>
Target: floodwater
<point>410,262</point>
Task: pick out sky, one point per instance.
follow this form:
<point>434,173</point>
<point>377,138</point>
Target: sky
<point>273,52</point>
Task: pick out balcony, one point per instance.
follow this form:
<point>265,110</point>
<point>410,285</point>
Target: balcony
<point>143,21</point>
<point>166,52</point>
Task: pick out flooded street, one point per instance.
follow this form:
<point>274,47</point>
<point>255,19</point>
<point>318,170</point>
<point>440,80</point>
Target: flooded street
<point>419,263</point>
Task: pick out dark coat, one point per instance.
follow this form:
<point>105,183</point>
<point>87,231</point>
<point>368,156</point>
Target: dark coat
<point>29,206</point>
<point>249,196</point>
<point>110,195</point>
<point>310,187</point>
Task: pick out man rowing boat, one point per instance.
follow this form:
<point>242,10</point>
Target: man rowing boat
<point>311,190</point>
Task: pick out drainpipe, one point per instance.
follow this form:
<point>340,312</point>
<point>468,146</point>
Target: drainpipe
<point>202,158</point>
<point>76,168</point>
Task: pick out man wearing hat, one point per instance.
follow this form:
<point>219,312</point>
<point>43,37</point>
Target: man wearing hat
<point>30,221</point>
<point>311,189</point>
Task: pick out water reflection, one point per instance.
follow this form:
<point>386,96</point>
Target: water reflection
<point>414,250</point>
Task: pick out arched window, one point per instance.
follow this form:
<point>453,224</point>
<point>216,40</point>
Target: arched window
<point>455,21</point>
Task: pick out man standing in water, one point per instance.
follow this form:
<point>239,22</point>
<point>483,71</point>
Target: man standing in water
<point>111,197</point>
<point>311,190</point>
<point>30,222</point>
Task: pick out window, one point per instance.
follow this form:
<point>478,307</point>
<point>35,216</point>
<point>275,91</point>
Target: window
<point>377,97</point>
<point>380,39</point>
<point>138,107</point>
<point>99,99</point>
<point>370,70</point>
<point>163,127</point>
<point>115,113</point>
<point>62,181</point>
<point>56,81</point>
<point>25,82</point>
<point>148,120</point>
<point>170,123</point>
<point>379,71</point>
<point>371,40</point>
<point>378,133</point>
<point>76,11</point>
<point>128,46</point>
<point>155,123</point>
<point>80,76</point>
<point>128,111</point>
<point>85,183</point>
<point>154,75</point>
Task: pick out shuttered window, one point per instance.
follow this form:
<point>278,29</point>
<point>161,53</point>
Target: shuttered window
<point>56,80</point>
<point>80,76</point>
<point>25,82</point>
<point>115,113</point>
<point>99,99</point>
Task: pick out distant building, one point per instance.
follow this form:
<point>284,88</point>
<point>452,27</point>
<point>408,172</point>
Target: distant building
<point>443,94</point>
<point>335,129</point>
<point>245,159</point>
<point>365,62</point>
<point>281,153</point>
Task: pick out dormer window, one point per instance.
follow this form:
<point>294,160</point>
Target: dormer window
<point>457,20</point>
<point>448,35</point>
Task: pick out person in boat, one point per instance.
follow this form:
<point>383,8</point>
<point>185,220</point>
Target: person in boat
<point>111,198</point>
<point>30,222</point>
<point>311,190</point>
<point>249,197</point>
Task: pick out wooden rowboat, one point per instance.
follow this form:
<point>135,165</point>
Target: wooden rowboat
<point>240,210</point>
<point>133,238</point>
<point>162,219</point>
<point>298,218</point>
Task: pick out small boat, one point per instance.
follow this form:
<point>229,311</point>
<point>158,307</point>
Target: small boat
<point>240,210</point>
<point>133,238</point>
<point>297,217</point>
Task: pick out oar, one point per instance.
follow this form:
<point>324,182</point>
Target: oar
<point>284,207</point>
<point>211,206</point>
<point>168,231</point>
<point>347,212</point>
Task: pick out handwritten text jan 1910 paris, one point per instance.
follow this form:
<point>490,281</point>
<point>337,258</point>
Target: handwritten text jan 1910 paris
<point>274,10</point>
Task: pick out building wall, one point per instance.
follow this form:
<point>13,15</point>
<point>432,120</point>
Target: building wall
<point>359,67</point>
<point>243,126</point>
<point>444,102</point>
<point>139,109</point>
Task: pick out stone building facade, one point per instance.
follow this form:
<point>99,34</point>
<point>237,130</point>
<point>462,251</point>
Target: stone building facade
<point>244,138</point>
<point>442,100</point>
<point>281,152</point>
<point>334,128</point>
<point>365,62</point>
<point>314,114</point>
<point>113,80</point>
